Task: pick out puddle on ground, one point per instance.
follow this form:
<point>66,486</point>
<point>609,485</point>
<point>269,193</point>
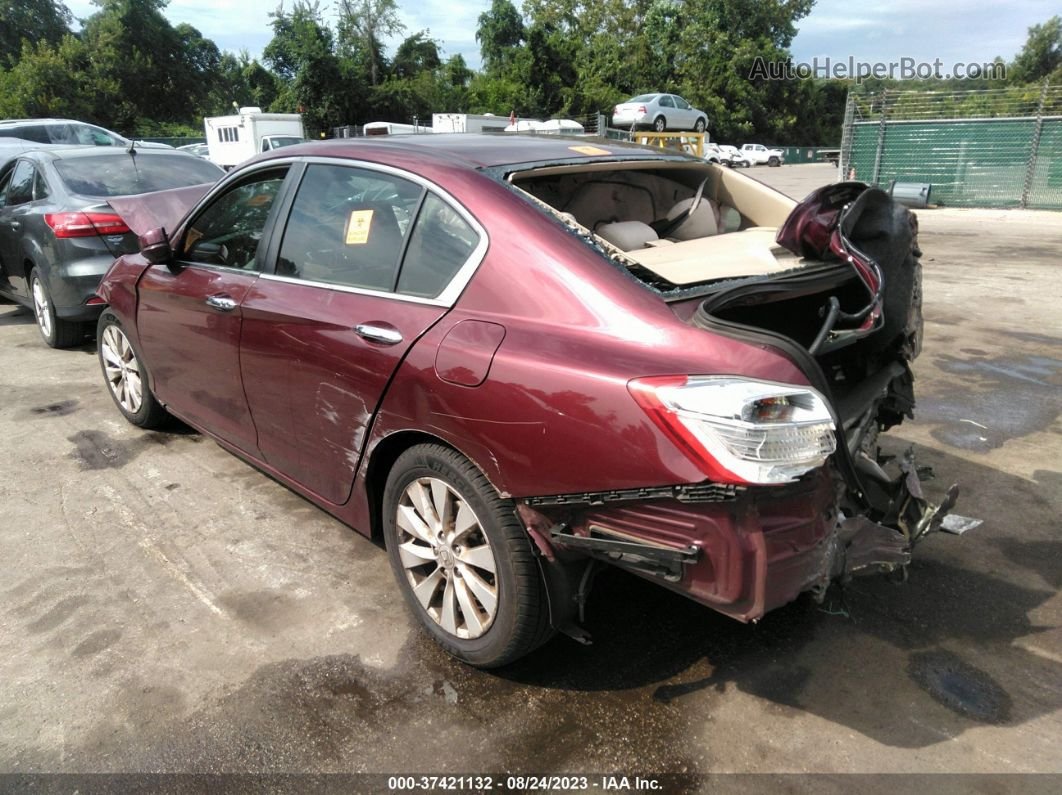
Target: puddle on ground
<point>994,400</point>
<point>960,686</point>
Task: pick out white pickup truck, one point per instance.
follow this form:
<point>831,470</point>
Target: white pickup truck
<point>758,154</point>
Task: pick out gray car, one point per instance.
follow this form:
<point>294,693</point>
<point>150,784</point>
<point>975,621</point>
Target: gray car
<point>661,112</point>
<point>58,235</point>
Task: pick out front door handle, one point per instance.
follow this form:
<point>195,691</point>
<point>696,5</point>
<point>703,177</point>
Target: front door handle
<point>15,225</point>
<point>222,303</point>
<point>381,334</point>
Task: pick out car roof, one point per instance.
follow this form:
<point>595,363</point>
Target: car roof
<point>8,122</point>
<point>480,150</point>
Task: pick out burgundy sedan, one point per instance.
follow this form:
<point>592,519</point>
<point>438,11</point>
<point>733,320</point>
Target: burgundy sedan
<point>515,359</point>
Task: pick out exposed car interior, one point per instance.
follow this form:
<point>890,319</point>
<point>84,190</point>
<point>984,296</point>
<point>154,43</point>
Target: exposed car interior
<point>686,223</point>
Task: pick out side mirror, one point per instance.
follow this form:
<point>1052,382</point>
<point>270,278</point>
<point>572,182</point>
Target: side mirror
<point>155,246</point>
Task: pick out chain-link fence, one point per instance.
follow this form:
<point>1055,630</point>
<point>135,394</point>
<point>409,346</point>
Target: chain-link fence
<point>985,148</point>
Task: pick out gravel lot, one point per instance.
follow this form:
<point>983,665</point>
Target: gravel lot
<point>166,607</point>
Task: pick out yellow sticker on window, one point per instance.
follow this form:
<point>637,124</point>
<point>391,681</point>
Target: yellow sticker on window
<point>589,150</point>
<point>358,226</point>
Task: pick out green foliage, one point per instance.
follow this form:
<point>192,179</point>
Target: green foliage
<point>1042,54</point>
<point>30,21</point>
<point>131,70</point>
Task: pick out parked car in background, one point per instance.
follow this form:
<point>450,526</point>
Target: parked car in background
<point>737,157</point>
<point>199,150</point>
<point>724,155</point>
<point>68,132</point>
<point>473,348</point>
<point>58,235</point>
<point>660,112</point>
<point>758,155</point>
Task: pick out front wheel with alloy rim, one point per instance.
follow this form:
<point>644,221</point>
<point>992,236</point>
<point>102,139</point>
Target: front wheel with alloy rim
<point>57,333</point>
<point>126,375</point>
<point>699,126</point>
<point>463,561</point>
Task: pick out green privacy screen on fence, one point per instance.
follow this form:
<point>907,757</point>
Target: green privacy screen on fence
<point>1012,158</point>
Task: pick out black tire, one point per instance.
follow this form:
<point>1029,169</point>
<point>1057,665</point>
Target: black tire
<point>56,332</point>
<point>520,622</point>
<point>773,162</point>
<point>700,125</point>
<point>660,124</point>
<point>149,413</point>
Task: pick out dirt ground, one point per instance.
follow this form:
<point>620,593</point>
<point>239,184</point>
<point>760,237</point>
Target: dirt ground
<point>166,607</point>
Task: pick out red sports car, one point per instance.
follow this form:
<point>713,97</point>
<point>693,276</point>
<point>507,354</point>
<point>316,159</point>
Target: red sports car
<point>515,358</point>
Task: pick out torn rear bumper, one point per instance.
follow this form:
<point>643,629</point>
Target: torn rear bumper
<point>744,555</point>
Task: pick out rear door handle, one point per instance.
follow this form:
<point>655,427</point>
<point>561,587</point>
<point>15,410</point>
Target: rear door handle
<point>222,303</point>
<point>15,225</point>
<point>381,334</point>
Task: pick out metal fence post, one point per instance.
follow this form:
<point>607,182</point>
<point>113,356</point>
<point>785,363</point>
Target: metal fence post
<point>844,162</point>
<point>1034,150</point>
<point>881,137</point>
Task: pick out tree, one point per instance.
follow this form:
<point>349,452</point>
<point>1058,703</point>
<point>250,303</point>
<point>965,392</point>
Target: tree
<point>418,53</point>
<point>1042,54</point>
<point>302,55</point>
<point>51,80</point>
<point>363,24</point>
<point>148,68</point>
<point>501,29</point>
<point>33,21</point>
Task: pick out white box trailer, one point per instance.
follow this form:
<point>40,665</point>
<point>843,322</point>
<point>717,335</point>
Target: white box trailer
<point>233,139</point>
<point>468,122</point>
<point>393,128</point>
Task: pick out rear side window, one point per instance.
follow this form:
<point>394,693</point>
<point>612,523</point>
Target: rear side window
<point>20,188</point>
<point>665,102</point>
<point>442,242</point>
<point>30,132</point>
<point>40,187</point>
<point>122,174</point>
<point>348,226</point>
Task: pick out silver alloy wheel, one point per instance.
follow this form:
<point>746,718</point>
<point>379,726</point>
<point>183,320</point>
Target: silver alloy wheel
<point>447,558</point>
<point>41,307</point>
<point>122,369</point>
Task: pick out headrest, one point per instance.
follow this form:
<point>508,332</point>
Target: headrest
<point>703,222</point>
<point>627,235</point>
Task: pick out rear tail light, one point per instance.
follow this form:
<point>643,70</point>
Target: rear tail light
<point>739,430</point>
<point>642,109</point>
<point>86,224</point>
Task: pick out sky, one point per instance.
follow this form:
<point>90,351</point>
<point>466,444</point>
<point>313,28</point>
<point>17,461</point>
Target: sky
<point>951,30</point>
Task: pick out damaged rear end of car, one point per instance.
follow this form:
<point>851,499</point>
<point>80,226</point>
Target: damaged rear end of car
<point>797,493</point>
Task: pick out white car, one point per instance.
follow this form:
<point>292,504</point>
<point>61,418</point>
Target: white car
<point>661,112</point>
<point>67,132</point>
<point>758,155</point>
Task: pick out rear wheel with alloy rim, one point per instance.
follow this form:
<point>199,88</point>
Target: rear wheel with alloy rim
<point>57,333</point>
<point>126,375</point>
<point>660,124</point>
<point>462,560</point>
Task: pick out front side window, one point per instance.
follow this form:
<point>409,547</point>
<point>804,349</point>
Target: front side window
<point>87,135</point>
<point>681,103</point>
<point>348,227</point>
<point>227,233</point>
